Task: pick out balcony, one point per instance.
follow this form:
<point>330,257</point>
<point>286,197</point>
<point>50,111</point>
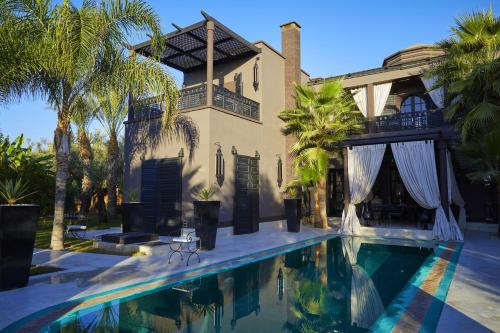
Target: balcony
<point>195,97</point>
<point>404,121</point>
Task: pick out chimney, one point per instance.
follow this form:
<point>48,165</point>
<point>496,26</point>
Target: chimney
<point>290,49</point>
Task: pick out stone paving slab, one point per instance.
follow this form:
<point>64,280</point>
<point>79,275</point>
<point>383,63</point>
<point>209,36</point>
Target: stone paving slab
<point>473,301</point>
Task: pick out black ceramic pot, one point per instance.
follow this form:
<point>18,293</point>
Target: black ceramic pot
<point>293,209</point>
<point>17,240</point>
<point>206,216</point>
<point>133,218</point>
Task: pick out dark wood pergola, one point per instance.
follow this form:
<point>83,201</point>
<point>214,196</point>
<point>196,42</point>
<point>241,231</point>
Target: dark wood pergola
<point>200,45</point>
<point>187,49</point>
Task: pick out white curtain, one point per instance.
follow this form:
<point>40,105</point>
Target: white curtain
<point>363,164</point>
<point>437,95</point>
<point>361,100</point>
<point>366,305</point>
<point>455,197</point>
<point>381,92</point>
<point>416,164</point>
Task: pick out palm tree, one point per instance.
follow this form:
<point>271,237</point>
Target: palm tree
<point>470,71</point>
<point>112,113</point>
<point>137,83</point>
<point>482,158</point>
<point>59,52</point>
<point>320,121</point>
<point>82,115</point>
<point>475,40</point>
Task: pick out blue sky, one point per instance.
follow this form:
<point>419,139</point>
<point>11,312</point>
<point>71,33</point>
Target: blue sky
<point>337,37</point>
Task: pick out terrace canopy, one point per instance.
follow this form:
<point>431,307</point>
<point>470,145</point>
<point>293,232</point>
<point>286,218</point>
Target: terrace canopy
<point>201,44</point>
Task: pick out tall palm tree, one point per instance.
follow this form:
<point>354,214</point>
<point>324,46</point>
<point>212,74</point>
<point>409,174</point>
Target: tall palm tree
<point>320,121</point>
<point>59,52</point>
<point>470,72</point>
<point>475,40</point>
<point>83,113</point>
<point>137,83</point>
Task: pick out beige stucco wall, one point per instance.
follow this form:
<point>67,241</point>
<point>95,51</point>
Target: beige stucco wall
<point>216,125</point>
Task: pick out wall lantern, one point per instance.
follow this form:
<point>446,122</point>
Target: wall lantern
<point>181,153</point>
<point>279,171</point>
<point>257,155</point>
<point>256,74</point>
<point>219,165</point>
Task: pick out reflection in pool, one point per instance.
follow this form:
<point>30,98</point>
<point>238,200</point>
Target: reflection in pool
<point>337,285</point>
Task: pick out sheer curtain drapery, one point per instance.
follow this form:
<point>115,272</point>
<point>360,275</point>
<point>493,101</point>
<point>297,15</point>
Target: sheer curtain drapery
<point>455,197</point>
<point>363,164</point>
<point>381,92</point>
<point>366,304</point>
<point>437,95</point>
<point>360,97</point>
<point>416,164</point>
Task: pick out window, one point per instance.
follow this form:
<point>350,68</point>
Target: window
<point>413,104</point>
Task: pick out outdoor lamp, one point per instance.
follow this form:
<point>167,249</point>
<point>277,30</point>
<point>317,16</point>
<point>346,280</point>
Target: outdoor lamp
<point>256,74</point>
<point>181,153</point>
<point>219,165</point>
<point>279,171</point>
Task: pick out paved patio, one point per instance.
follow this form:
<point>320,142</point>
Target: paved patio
<point>88,273</point>
<point>473,301</point>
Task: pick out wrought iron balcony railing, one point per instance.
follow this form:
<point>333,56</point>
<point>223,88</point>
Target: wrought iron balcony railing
<point>404,121</point>
<point>197,97</point>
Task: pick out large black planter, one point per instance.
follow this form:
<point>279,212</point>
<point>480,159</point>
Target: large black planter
<point>17,240</point>
<point>133,218</point>
<point>206,216</point>
<point>293,212</point>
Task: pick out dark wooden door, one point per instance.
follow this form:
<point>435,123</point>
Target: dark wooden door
<point>246,196</point>
<point>161,195</point>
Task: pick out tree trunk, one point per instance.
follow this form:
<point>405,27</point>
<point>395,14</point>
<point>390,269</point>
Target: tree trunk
<point>61,145</point>
<point>113,161</point>
<point>86,156</point>
<point>101,206</point>
<point>316,211</point>
<point>322,203</point>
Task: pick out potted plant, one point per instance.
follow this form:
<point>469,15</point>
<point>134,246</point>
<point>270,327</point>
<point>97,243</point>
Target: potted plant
<point>293,209</point>
<point>206,216</point>
<point>17,234</point>
<point>133,214</point>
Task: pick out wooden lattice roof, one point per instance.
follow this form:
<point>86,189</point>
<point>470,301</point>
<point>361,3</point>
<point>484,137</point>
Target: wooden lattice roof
<point>186,48</point>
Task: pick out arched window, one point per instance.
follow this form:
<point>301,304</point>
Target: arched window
<point>413,104</point>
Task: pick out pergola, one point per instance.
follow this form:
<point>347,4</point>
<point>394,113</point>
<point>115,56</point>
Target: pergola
<point>201,44</point>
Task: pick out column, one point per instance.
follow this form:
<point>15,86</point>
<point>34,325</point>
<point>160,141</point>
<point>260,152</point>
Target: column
<point>210,62</point>
<point>347,198</point>
<point>443,176</point>
<point>370,107</point>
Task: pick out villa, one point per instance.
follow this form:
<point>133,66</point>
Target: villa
<point>234,89</point>
<point>391,259</point>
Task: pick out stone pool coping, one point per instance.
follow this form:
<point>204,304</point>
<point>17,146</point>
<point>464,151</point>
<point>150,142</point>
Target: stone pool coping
<point>418,307</point>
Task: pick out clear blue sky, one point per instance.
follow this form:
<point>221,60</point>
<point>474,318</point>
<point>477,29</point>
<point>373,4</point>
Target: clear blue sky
<point>338,36</point>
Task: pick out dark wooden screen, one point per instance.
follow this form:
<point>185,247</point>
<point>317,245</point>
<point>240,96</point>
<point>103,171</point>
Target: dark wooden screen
<point>246,196</point>
<point>161,195</point>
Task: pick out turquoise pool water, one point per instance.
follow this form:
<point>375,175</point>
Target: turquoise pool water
<point>339,285</point>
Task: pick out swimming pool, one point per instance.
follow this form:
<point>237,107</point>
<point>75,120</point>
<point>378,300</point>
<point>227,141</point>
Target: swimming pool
<point>327,284</point>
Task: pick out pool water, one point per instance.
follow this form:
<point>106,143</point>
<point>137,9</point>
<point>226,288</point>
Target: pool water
<point>339,285</point>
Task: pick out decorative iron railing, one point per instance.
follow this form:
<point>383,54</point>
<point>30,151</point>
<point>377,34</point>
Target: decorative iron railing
<point>405,121</point>
<point>236,103</point>
<point>197,97</point>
